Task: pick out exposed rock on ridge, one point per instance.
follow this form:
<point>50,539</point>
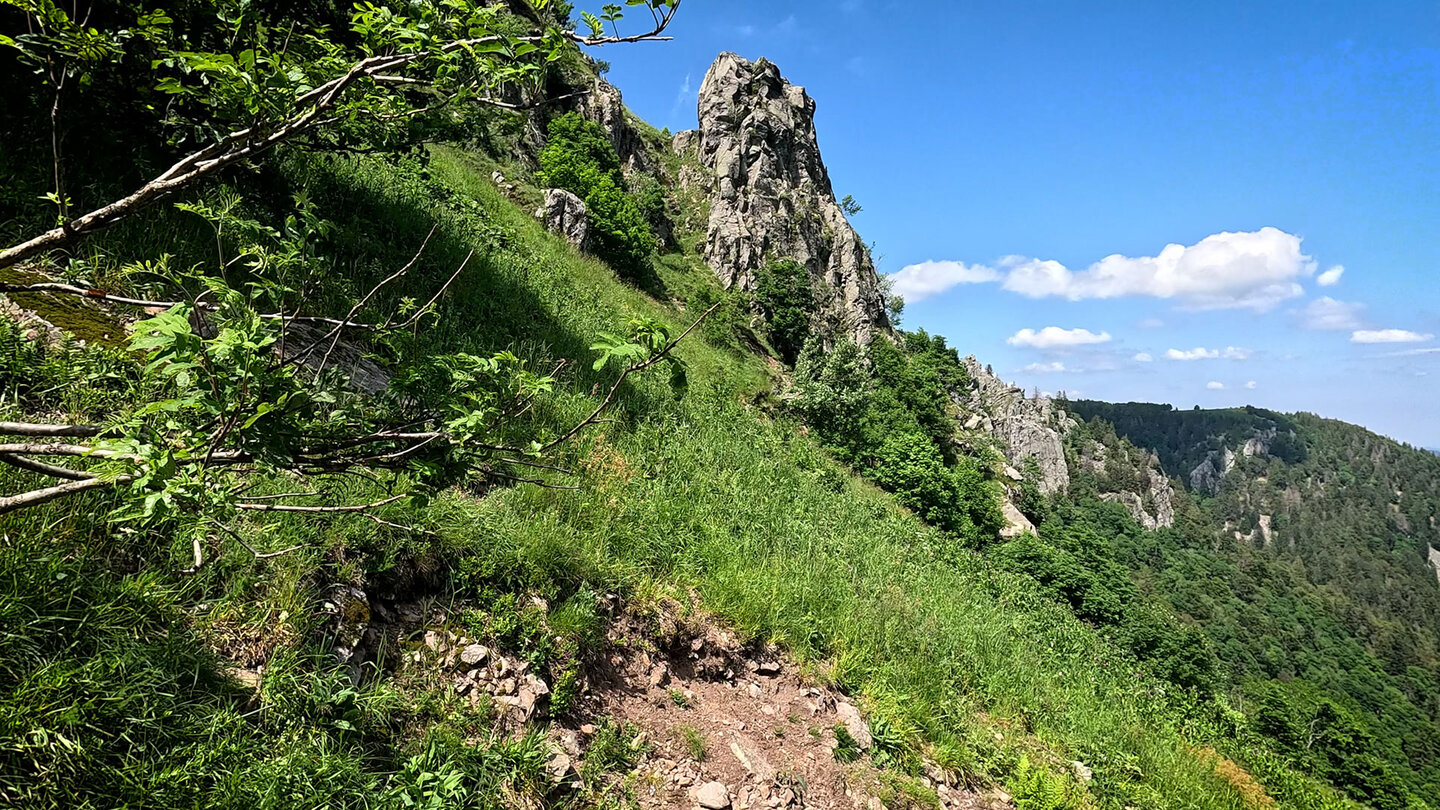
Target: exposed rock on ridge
<point>564,213</point>
<point>1026,428</point>
<point>771,196</point>
<point>604,105</point>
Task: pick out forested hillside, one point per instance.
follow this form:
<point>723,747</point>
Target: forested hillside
<point>392,419</point>
<point>1307,563</point>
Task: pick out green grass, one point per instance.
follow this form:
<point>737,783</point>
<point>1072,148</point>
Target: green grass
<point>108,696</point>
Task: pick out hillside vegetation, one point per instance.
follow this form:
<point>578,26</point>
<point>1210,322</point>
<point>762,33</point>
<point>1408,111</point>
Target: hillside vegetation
<point>557,447</point>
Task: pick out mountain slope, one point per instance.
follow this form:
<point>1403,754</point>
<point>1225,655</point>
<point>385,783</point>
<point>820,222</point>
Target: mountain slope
<point>308,660</point>
<point>1307,562</point>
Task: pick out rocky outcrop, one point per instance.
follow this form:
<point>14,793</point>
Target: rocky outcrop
<point>1435,561</point>
<point>1016,523</point>
<point>604,105</point>
<point>770,194</point>
<point>564,213</point>
<point>1025,427</point>
<point>1210,473</point>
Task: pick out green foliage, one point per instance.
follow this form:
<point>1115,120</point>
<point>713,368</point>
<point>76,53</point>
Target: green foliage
<point>694,742</point>
<point>884,410</point>
<point>1339,605</point>
<point>579,158</point>
<point>615,748</point>
<point>955,498</point>
<point>785,295</point>
<point>1036,788</point>
<point>846,749</point>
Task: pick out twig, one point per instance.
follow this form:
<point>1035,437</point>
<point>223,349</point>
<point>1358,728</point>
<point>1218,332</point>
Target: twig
<point>274,507</point>
<point>334,335</point>
<point>383,522</point>
<point>614,389</point>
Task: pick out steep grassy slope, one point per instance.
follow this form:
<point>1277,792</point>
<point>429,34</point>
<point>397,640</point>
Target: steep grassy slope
<point>111,685</point>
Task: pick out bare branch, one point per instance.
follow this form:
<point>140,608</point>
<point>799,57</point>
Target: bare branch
<point>614,389</point>
<point>98,295</point>
<point>32,429</point>
<point>36,497</point>
<point>41,468</point>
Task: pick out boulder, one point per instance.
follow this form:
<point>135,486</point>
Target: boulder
<point>855,724</point>
<point>564,213</point>
<point>1016,523</point>
<point>713,796</point>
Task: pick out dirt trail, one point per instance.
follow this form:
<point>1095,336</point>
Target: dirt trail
<point>767,736</point>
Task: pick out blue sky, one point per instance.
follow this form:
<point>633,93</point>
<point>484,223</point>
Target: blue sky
<point>1002,150</point>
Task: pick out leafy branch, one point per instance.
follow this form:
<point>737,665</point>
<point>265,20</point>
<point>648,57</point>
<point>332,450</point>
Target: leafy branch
<point>280,94</point>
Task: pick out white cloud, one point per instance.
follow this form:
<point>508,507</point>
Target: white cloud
<point>920,281</point>
<point>1045,368</point>
<point>1192,354</point>
<point>1143,357</point>
<point>1248,270</point>
<point>1215,386</point>
<point>1151,323</point>
<point>1253,270</point>
<point>1331,277</point>
<point>1252,385</point>
<point>1388,336</point>
<point>1201,353</point>
<point>1329,314</point>
<point>1053,337</point>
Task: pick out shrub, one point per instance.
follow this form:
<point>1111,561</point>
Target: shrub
<point>956,499</point>
<point>579,158</point>
<point>785,297</point>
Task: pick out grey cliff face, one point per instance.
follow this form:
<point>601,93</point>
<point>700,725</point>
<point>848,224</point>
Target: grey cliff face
<point>1026,428</point>
<point>1154,508</point>
<point>771,196</point>
<point>604,105</point>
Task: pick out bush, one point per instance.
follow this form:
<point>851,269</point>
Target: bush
<point>956,499</point>
<point>579,158</point>
<point>786,298</point>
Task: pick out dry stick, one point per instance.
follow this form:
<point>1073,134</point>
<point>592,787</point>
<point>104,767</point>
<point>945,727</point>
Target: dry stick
<point>36,497</point>
<point>243,144</point>
<point>41,468</point>
<point>33,429</point>
<point>278,497</point>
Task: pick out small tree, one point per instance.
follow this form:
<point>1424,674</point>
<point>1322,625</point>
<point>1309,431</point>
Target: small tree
<point>241,383</point>
<point>784,295</point>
